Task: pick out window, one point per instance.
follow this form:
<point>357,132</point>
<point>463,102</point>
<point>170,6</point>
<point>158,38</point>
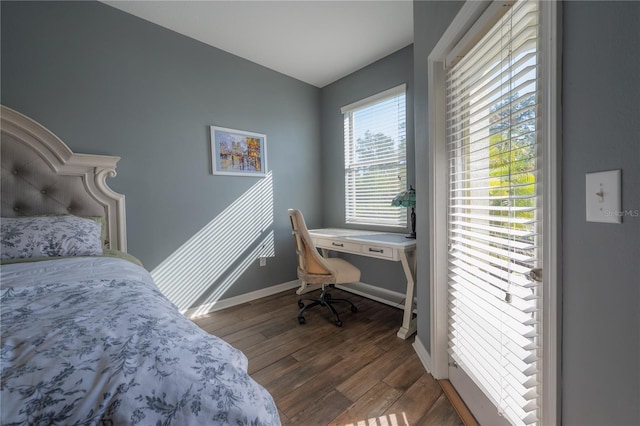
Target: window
<point>492,122</point>
<point>494,135</point>
<point>375,158</point>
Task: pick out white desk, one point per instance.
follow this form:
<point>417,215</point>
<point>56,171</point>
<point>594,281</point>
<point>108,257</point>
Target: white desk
<point>380,245</point>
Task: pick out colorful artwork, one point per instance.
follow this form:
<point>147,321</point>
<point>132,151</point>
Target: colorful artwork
<point>238,153</point>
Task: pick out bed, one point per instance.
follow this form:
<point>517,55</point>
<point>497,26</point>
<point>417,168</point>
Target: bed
<point>87,337</point>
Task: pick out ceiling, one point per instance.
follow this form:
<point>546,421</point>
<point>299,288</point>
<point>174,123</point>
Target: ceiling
<point>317,42</point>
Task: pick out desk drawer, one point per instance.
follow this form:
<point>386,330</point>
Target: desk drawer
<point>377,251</point>
<point>338,245</point>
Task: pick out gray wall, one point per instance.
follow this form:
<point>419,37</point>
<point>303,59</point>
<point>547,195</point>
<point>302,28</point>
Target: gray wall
<point>386,73</point>
<point>601,273</point>
<point>109,83</point>
<point>431,19</point>
<point>601,280</point>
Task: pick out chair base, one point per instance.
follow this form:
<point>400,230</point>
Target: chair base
<point>325,299</point>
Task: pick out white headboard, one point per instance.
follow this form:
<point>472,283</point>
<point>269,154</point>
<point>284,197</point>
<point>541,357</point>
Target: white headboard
<point>41,175</point>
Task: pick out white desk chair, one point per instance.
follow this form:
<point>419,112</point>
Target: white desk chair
<point>315,269</point>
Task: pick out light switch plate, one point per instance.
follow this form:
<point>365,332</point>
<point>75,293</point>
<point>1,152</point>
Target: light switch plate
<point>604,197</point>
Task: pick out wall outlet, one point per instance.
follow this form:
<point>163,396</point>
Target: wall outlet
<point>263,261</point>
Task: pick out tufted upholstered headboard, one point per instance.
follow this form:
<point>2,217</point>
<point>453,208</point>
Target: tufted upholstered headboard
<point>41,175</point>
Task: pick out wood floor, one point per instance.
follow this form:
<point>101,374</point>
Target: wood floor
<point>320,374</point>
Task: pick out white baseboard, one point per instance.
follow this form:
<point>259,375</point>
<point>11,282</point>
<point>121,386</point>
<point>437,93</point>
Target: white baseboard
<point>237,300</point>
<point>422,353</point>
<point>382,295</point>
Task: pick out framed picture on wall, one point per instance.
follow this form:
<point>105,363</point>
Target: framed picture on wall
<point>238,153</point>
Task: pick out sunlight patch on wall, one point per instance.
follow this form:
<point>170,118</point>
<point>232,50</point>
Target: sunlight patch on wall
<point>211,260</point>
<point>264,249</point>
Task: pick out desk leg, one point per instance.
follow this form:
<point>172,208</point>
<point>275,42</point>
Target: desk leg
<point>409,324</point>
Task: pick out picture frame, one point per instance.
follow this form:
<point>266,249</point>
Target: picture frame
<point>238,152</point>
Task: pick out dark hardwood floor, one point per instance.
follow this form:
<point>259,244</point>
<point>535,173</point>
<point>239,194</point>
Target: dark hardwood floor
<point>320,374</point>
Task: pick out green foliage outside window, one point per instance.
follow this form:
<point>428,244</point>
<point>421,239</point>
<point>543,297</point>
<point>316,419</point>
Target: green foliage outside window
<point>512,151</point>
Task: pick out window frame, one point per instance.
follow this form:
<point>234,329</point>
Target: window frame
<point>468,26</point>
<point>350,216</point>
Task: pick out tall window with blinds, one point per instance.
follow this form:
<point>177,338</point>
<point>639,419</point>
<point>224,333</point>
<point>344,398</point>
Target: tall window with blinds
<point>375,158</point>
<point>492,95</point>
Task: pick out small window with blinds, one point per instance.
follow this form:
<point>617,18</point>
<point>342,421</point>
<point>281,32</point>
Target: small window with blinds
<point>375,158</point>
<point>492,94</point>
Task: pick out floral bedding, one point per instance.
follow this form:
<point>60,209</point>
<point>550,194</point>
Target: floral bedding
<point>49,236</point>
<point>93,341</point>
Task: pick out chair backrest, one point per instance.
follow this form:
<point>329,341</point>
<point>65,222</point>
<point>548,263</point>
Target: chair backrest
<point>312,267</point>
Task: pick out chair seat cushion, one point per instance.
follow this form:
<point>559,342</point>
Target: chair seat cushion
<point>345,272</point>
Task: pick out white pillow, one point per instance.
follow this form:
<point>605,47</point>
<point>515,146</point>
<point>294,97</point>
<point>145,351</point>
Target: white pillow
<point>49,236</point>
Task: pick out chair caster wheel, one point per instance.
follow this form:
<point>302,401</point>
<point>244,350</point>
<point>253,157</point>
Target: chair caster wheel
<point>354,309</point>
<point>339,323</point>
<point>301,320</point>
<point>300,304</point>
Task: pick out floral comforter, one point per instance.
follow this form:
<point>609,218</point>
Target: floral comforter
<point>93,341</point>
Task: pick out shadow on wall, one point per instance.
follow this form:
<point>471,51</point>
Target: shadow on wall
<point>198,274</point>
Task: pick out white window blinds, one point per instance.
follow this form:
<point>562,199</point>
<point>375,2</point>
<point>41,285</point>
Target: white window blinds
<point>492,96</point>
<point>375,158</point>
